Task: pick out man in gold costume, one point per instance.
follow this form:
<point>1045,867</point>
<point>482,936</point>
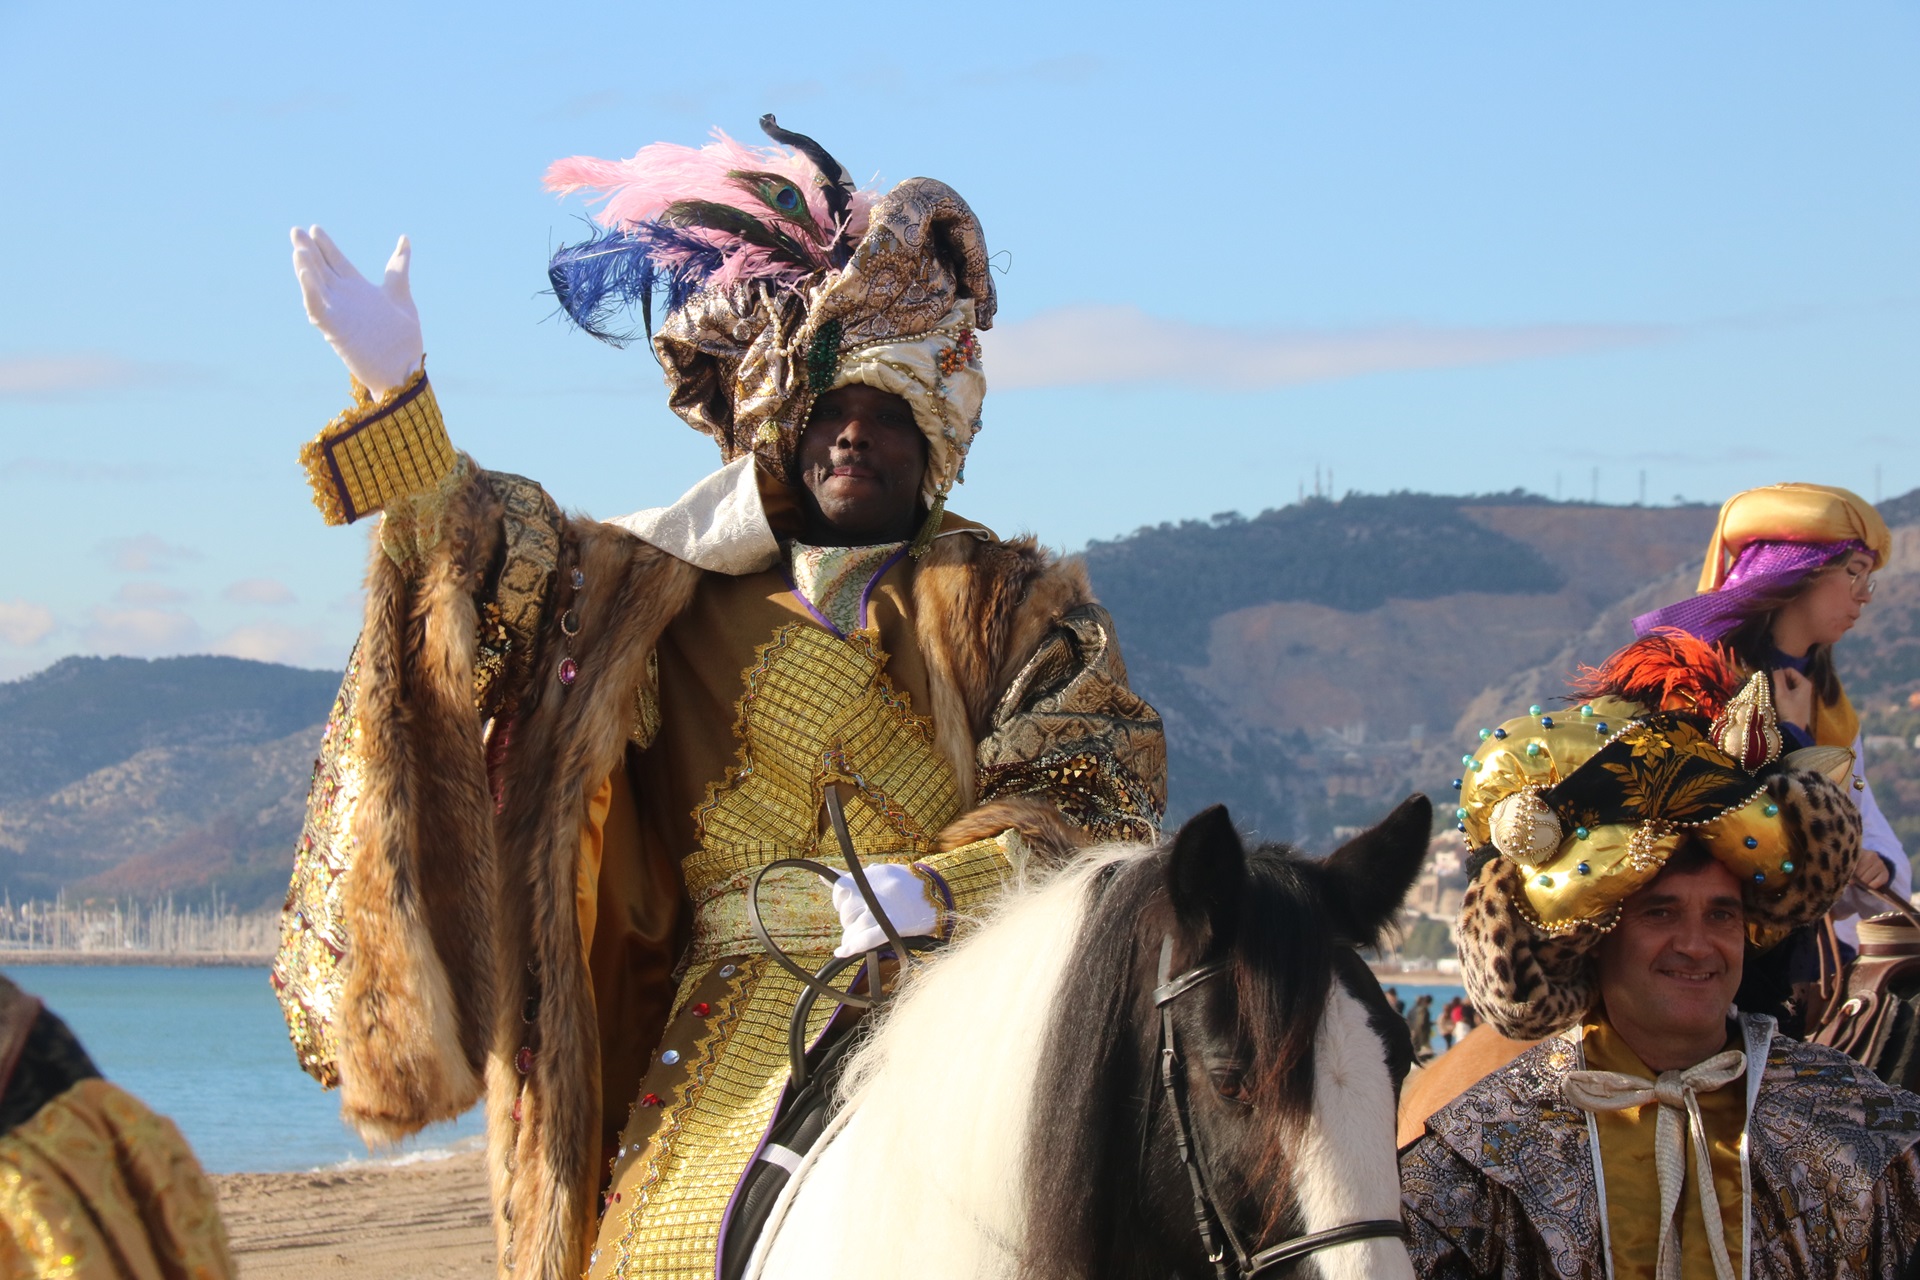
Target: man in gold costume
<point>1634,852</point>
<point>565,747</point>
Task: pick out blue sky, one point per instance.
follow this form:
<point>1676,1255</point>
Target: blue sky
<point>1443,248</point>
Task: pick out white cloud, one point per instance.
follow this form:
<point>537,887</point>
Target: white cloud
<point>144,633</point>
<point>24,624</point>
<point>145,553</point>
<point>38,377</point>
<point>1079,346</point>
<point>142,592</point>
<point>277,642</point>
<point>258,591</point>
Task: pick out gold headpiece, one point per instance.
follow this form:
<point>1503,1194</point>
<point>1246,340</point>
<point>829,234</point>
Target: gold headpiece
<point>1590,803</point>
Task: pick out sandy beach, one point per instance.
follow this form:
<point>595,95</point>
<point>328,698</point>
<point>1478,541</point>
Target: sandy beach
<point>375,1222</point>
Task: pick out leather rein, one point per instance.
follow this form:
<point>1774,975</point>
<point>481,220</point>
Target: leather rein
<point>1206,1210</point>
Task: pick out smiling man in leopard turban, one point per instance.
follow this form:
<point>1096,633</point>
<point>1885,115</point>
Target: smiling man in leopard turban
<point>1632,851</point>
<point>564,747</point>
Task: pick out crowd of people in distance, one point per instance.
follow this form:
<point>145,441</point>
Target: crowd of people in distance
<point>1451,1025</point>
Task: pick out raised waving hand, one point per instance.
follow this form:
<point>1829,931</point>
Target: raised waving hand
<point>374,328</point>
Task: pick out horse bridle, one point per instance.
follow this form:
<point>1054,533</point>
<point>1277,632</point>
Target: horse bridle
<point>1206,1209</point>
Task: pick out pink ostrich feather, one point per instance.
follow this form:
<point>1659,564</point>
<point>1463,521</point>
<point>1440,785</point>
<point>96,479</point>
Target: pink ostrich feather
<point>637,190</point>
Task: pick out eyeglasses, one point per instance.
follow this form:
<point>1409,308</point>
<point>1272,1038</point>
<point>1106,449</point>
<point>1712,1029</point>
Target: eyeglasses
<point>1860,582</point>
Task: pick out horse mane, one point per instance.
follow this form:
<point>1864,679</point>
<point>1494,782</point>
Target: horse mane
<point>948,1080</point>
<point>1083,1156</point>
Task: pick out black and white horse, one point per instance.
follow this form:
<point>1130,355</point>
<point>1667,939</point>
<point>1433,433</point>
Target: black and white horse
<point>1022,1109</point>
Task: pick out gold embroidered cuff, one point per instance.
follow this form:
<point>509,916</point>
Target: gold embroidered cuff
<point>974,874</point>
<point>377,451</point>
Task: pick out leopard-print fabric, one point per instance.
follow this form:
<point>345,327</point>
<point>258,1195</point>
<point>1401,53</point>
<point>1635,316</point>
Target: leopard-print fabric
<point>1529,984</point>
<point>1826,843</point>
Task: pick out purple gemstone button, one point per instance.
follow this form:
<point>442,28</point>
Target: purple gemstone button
<point>569,670</point>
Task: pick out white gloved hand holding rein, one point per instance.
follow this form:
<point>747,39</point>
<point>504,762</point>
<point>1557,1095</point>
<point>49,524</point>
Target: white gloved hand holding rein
<point>374,328</point>
<point>902,895</point>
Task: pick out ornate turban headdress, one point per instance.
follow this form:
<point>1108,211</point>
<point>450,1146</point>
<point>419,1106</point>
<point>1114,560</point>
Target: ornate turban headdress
<point>1572,812</point>
<point>781,282</point>
<point>1766,541</point>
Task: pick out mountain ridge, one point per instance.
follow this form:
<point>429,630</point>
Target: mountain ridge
<point>1313,664</point>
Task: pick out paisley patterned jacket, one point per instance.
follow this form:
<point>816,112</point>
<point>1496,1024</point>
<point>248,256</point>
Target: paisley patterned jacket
<point>1503,1183</point>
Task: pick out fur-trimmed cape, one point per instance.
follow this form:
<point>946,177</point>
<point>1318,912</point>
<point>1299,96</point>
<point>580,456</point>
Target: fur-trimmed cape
<point>464,970</point>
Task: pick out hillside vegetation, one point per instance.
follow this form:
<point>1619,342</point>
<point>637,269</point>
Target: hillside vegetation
<point>129,777</point>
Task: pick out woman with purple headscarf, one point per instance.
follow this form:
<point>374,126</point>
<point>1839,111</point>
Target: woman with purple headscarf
<point>1788,572</point>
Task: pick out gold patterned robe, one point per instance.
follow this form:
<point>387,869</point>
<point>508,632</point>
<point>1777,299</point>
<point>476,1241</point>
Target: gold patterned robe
<point>545,890</point>
<point>93,1185</point>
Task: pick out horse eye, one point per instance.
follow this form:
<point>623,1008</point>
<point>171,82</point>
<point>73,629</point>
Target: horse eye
<point>1231,1084</point>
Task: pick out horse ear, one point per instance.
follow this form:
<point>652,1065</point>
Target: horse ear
<point>1371,873</point>
<point>1207,874</point>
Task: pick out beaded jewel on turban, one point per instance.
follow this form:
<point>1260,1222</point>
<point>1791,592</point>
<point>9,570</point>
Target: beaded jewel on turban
<point>782,282</point>
<point>1571,812</point>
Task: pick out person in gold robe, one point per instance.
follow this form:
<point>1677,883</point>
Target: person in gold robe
<point>565,748</point>
<point>1632,854</point>
<point>93,1184</point>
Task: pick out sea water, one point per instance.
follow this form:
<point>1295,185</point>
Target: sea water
<point>207,1048</point>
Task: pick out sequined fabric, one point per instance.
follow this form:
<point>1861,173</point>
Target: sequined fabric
<point>818,710</point>
<point>1503,1183</point>
<point>1068,729</point>
<point>313,936</point>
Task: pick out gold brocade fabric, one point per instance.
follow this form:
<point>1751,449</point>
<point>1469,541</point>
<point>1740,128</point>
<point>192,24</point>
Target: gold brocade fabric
<point>96,1187</point>
<point>313,937</point>
<point>817,710</point>
<point>1632,1185</point>
<point>378,452</point>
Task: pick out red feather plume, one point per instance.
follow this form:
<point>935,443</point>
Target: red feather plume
<point>1666,670</point>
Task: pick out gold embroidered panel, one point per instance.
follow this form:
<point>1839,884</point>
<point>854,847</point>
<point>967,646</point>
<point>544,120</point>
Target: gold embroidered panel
<point>817,710</point>
<point>313,936</point>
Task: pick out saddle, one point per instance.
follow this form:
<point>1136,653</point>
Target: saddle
<point>1870,1011</point>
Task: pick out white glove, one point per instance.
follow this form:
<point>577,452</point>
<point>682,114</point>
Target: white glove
<point>902,895</point>
<point>372,327</point>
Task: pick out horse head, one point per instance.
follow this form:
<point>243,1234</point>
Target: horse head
<point>1217,1004</point>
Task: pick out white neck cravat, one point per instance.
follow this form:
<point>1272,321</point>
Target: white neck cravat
<point>1679,1118</point>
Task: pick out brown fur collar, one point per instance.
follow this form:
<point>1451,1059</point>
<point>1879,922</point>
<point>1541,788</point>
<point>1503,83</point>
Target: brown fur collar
<point>980,609</point>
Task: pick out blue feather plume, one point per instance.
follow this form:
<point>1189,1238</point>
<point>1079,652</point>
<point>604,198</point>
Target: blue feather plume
<point>604,277</point>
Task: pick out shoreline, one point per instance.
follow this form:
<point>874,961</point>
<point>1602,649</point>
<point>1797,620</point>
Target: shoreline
<point>144,959</point>
<point>1415,977</point>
